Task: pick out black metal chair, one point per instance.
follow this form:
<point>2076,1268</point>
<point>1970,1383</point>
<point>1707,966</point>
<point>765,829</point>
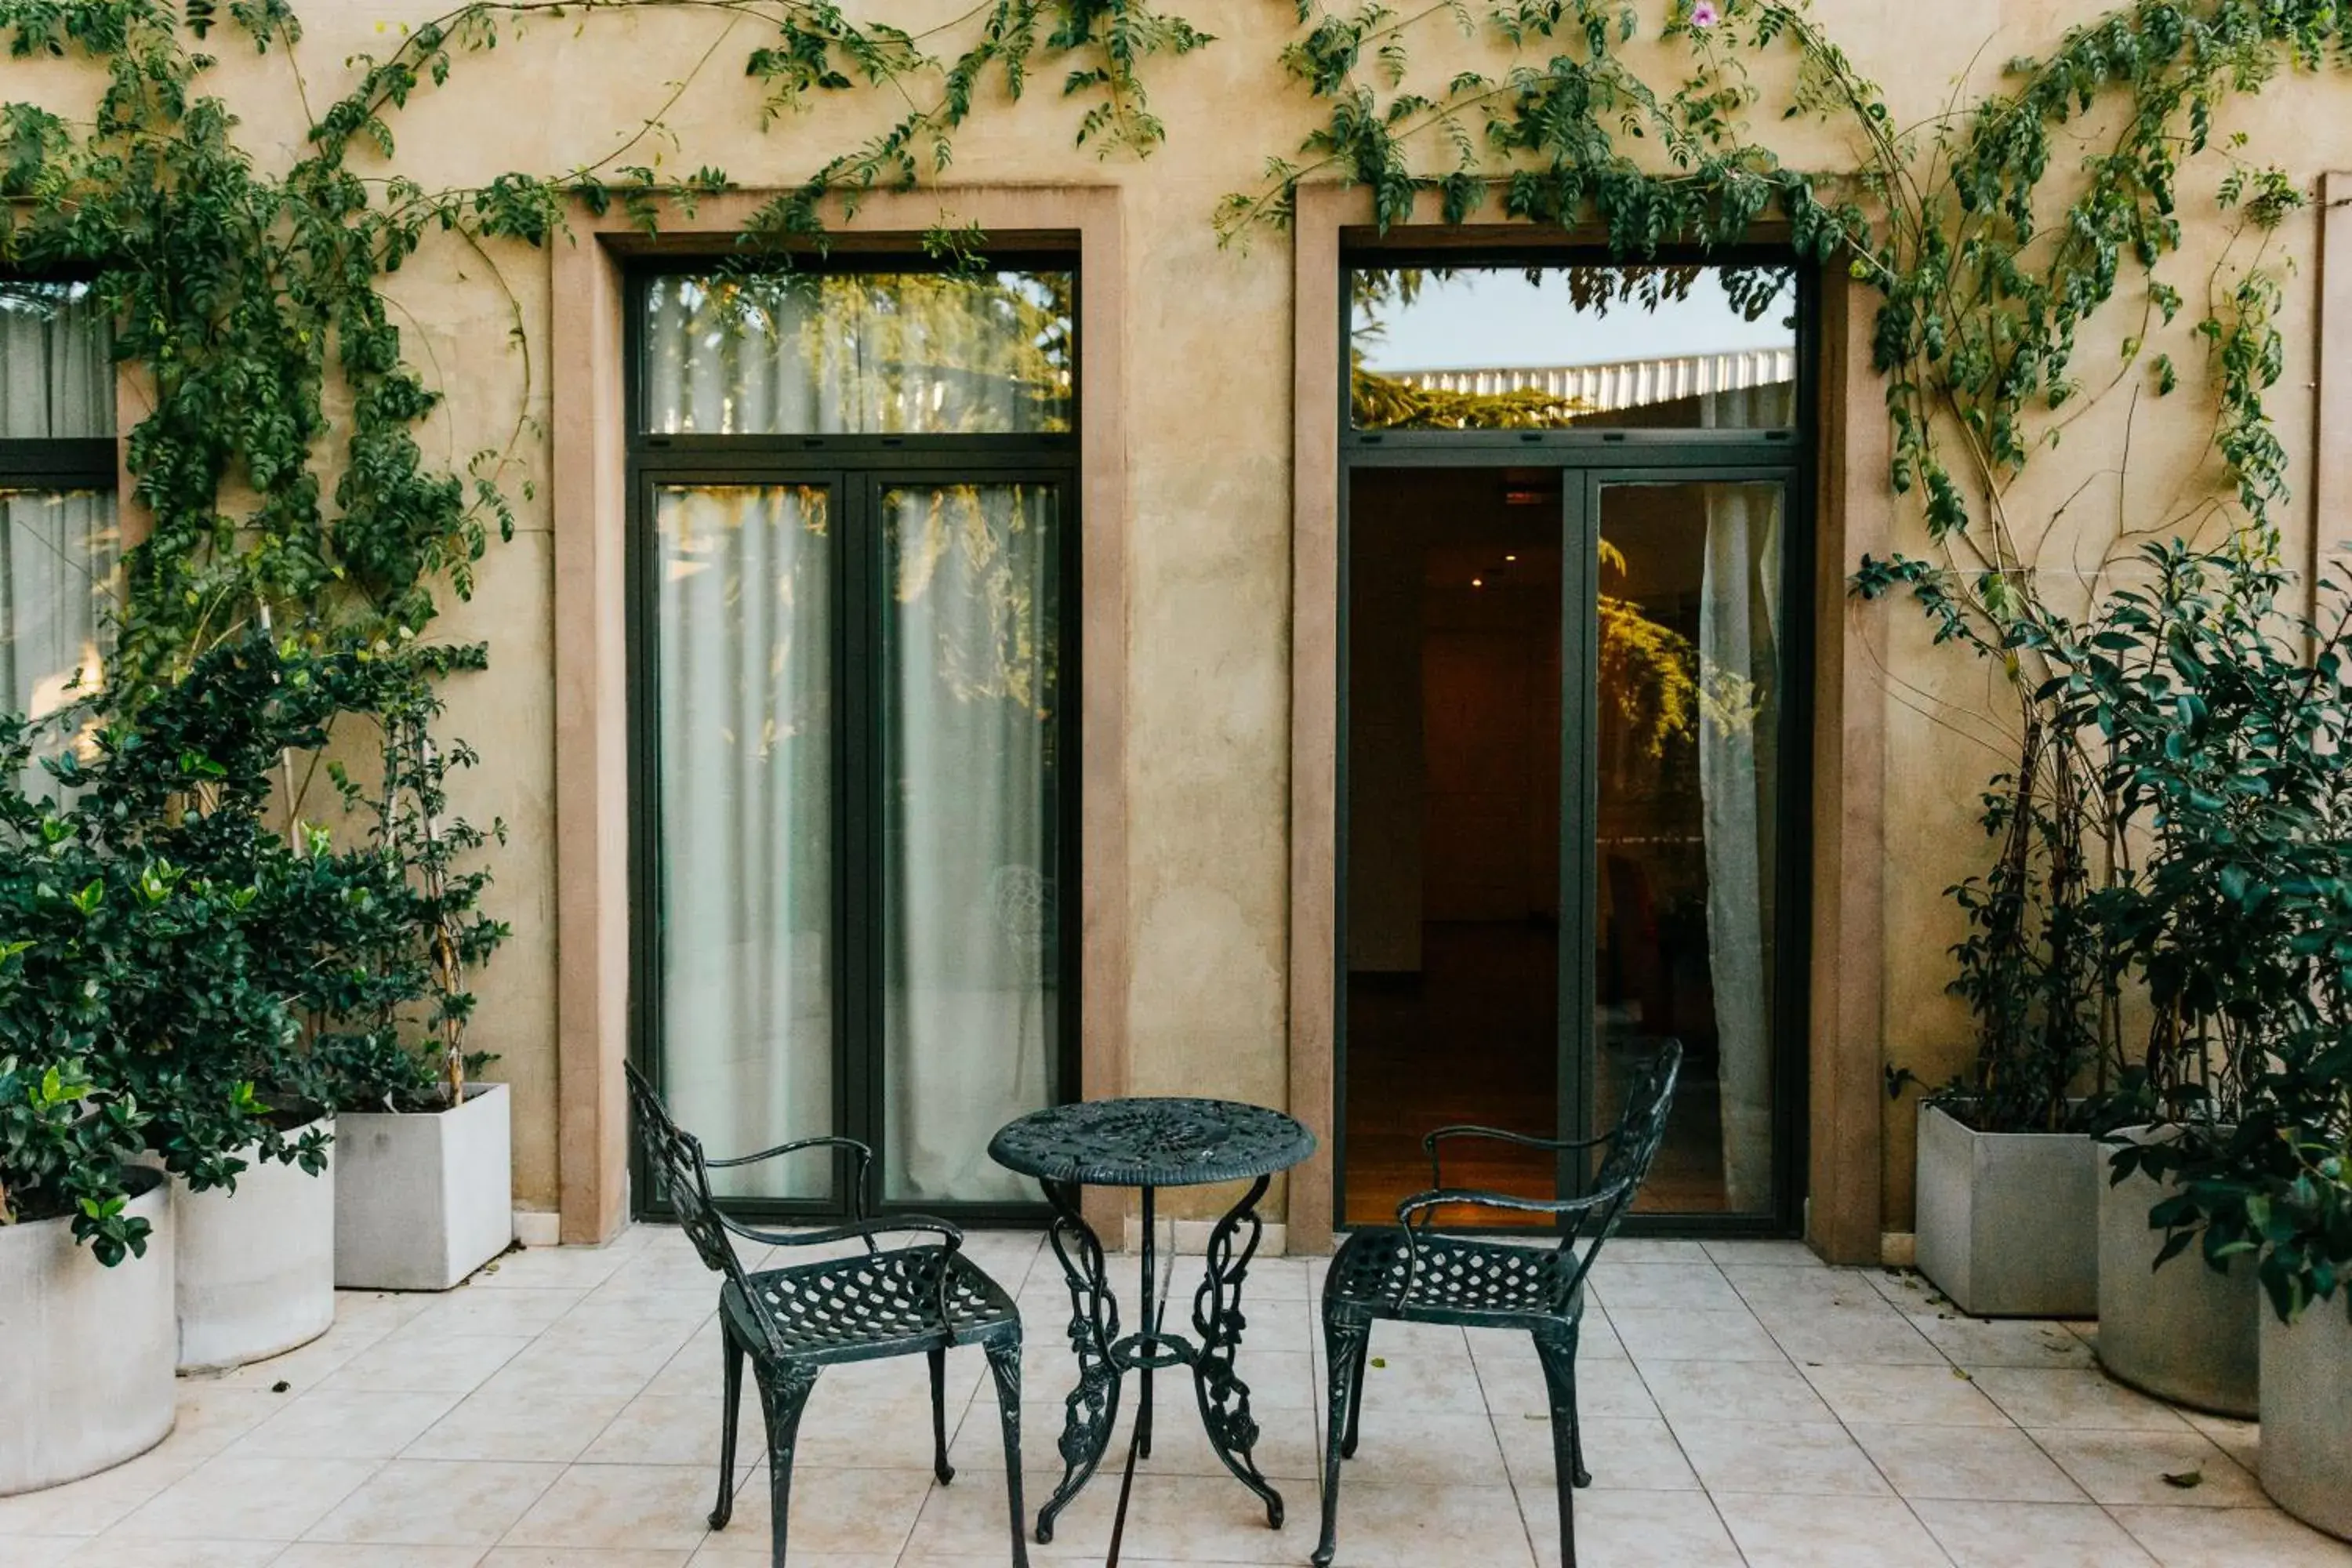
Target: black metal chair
<point>792,1324</point>
<point>1401,1273</point>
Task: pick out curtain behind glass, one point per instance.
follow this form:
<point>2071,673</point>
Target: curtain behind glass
<point>747,824</point>
<point>971,792</point>
<point>857,354</point>
<point>1738,659</point>
<point>56,370</point>
<point>56,595</point>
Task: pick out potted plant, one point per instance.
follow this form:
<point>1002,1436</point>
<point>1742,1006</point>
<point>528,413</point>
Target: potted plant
<point>2227,721</point>
<point>86,1253</point>
<point>426,1193</point>
<point>2008,1186</point>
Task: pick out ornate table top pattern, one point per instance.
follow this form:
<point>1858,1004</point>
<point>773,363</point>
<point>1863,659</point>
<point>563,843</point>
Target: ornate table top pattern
<point>1151,1141</point>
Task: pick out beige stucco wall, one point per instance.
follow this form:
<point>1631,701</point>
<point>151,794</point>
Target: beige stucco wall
<point>1208,392</point>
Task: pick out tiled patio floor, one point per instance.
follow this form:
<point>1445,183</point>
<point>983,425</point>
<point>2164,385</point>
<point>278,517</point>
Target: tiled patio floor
<point>1743,1404</point>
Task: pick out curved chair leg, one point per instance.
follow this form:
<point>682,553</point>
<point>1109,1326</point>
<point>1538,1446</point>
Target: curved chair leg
<point>1559,1357</point>
<point>783,1395</point>
<point>730,1411</point>
<point>1004,1364</point>
<point>1356,1398</point>
<point>1344,1345</point>
<point>940,1466</point>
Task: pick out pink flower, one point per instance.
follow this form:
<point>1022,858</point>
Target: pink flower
<point>1705,14</point>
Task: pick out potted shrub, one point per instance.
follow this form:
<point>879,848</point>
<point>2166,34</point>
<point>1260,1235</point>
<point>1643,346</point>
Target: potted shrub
<point>425,1195</point>
<point>2227,721</point>
<point>2008,1186</point>
<point>85,1254</point>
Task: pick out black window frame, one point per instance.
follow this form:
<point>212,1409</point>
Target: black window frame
<point>857,468</point>
<point>1588,459</point>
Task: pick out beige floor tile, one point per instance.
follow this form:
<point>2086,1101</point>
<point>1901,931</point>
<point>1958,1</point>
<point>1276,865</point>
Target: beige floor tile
<point>470,1310</point>
<point>1409,1381</point>
<point>306,1368</point>
<point>1828,1533</point>
<point>1435,1448</point>
<point>663,1429</point>
<point>1769,1254</point>
<point>2241,1440</point>
<point>1976,1343</point>
<point>1687,1286</point>
<point>44,1550</point>
<point>2233,1538</point>
<point>94,1503</point>
<point>112,1551</point>
<point>720,1553</point>
<point>211,1415</point>
<point>693,1370</point>
<point>896,1435</point>
<point>551,1268</point>
<point>860,1511</point>
<point>1935,1396</point>
<point>1809,1458</point>
<point>1733,1391</point>
<point>2118,1467</point>
<point>1603,1388</point>
<point>1644,1249</point>
<point>235,1499</point>
<point>2043,1396</point>
<point>1620,1455</point>
<point>1285,1446</point>
<point>1627,1530</point>
<point>620,1365</point>
<point>650,1507</point>
<point>968,1519</point>
<point>336,1554</point>
<point>457,1363</point>
<point>1395,1525</point>
<point>1989,1464</point>
<point>583,1557</point>
<point>1671,1333</point>
<point>518,1421</point>
<point>2030,1535</point>
<point>1762,1283</point>
<point>428,1502</point>
<point>345,1424</point>
<point>1865,1335</point>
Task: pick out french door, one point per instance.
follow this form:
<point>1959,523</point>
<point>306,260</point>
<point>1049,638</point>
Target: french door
<point>1571,802</point>
<point>854,821</point>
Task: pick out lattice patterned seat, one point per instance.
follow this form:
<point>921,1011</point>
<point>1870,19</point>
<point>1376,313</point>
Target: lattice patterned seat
<point>1403,1273</point>
<point>859,1308</point>
<point>792,1324</point>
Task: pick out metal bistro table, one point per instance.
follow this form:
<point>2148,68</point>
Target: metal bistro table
<point>1153,1142</point>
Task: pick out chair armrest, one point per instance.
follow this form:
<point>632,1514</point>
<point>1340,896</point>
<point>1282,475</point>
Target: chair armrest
<point>1428,1203</point>
<point>1524,1139</point>
<point>858,1181</point>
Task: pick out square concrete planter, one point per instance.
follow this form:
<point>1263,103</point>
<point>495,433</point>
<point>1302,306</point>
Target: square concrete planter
<point>2008,1222</point>
<point>2306,1449</point>
<point>90,1348</point>
<point>2182,1333</point>
<point>423,1200</point>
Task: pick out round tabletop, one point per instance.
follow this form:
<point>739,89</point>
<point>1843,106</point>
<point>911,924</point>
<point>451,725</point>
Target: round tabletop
<point>1151,1141</point>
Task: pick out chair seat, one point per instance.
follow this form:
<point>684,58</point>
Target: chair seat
<point>875,1304</point>
<point>1456,1280</point>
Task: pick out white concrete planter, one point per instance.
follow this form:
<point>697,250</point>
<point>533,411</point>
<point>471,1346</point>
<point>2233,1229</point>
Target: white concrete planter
<point>2182,1333</point>
<point>2306,1449</point>
<point>2008,1222</point>
<point>86,1352</point>
<point>257,1264</point>
<point>424,1200</point>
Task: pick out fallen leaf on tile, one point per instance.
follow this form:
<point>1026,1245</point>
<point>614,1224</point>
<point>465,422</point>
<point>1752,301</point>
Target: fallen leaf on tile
<point>2185,1480</point>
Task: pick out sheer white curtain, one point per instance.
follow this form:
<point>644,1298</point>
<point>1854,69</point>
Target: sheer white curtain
<point>855,353</point>
<point>969,805</point>
<point>747,823</point>
<point>57,548</point>
<point>1738,608</point>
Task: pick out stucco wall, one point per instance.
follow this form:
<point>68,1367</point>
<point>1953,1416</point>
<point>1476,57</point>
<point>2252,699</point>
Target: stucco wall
<point>1208,392</point>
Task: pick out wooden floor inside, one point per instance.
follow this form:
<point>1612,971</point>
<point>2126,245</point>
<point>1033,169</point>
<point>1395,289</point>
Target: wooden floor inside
<point>1473,1037</point>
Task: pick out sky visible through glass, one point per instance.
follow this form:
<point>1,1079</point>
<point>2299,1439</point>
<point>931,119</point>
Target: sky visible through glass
<point>1494,319</point>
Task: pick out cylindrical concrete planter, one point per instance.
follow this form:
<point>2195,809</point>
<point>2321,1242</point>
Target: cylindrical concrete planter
<point>2182,1333</point>
<point>88,1349</point>
<point>2306,1449</point>
<point>2008,1222</point>
<point>423,1200</point>
<point>257,1264</point>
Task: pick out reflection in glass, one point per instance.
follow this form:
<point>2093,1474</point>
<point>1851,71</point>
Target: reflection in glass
<point>746,795</point>
<point>971,782</point>
<point>59,585</point>
<point>1688,779</point>
<point>1653,347</point>
<point>57,363</point>
<point>827,353</point>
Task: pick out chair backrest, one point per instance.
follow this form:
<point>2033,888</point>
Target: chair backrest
<point>1632,1147</point>
<point>680,1174</point>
